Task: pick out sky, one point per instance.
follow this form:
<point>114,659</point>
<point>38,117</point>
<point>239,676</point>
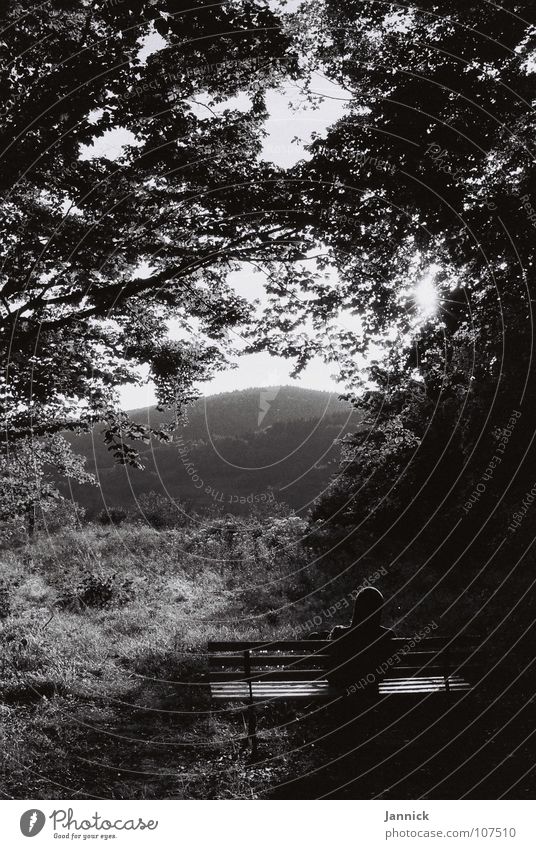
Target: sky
<point>284,124</point>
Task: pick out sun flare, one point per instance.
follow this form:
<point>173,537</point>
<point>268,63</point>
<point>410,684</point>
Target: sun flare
<point>426,296</point>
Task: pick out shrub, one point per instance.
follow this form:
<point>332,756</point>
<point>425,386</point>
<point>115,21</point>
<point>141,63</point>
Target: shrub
<point>161,512</point>
<point>97,590</point>
<point>112,516</point>
<point>58,515</point>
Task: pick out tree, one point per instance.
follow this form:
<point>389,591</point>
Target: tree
<point>97,255</point>
<point>421,193</point>
<point>29,471</point>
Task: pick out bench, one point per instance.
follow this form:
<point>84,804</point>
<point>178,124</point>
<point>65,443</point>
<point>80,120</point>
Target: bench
<point>258,673</point>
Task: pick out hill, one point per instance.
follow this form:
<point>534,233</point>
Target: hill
<point>234,449</point>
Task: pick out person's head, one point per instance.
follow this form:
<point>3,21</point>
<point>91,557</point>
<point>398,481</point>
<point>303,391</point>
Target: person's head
<point>368,608</point>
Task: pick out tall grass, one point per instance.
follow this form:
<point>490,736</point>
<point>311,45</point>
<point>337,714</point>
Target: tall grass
<point>102,642</point>
<point>103,634</point>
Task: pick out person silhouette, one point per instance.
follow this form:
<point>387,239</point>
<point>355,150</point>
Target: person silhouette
<point>360,649</point>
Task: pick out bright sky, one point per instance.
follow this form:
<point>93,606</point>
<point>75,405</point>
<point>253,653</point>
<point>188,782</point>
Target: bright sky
<point>285,123</point>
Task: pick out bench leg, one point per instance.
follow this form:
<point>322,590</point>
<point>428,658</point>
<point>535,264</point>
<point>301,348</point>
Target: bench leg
<point>252,730</point>
<point>245,741</point>
<point>249,721</point>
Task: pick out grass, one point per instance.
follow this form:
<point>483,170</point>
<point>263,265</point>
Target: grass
<point>102,689</point>
<point>102,638</point>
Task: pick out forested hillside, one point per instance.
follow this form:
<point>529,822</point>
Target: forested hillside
<point>232,450</point>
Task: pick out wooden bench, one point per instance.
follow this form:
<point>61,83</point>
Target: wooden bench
<point>259,673</point>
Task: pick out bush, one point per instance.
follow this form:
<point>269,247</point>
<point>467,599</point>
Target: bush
<point>13,533</point>
<point>58,515</point>
<point>112,516</point>
<point>97,590</point>
<point>160,512</point>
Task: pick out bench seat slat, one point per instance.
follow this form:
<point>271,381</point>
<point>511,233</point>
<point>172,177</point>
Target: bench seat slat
<point>280,690</point>
<point>312,690</point>
<point>422,681</point>
<point>415,681</point>
<point>412,686</point>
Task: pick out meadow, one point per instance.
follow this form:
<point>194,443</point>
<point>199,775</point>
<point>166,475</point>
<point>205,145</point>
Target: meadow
<point>103,634</point>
